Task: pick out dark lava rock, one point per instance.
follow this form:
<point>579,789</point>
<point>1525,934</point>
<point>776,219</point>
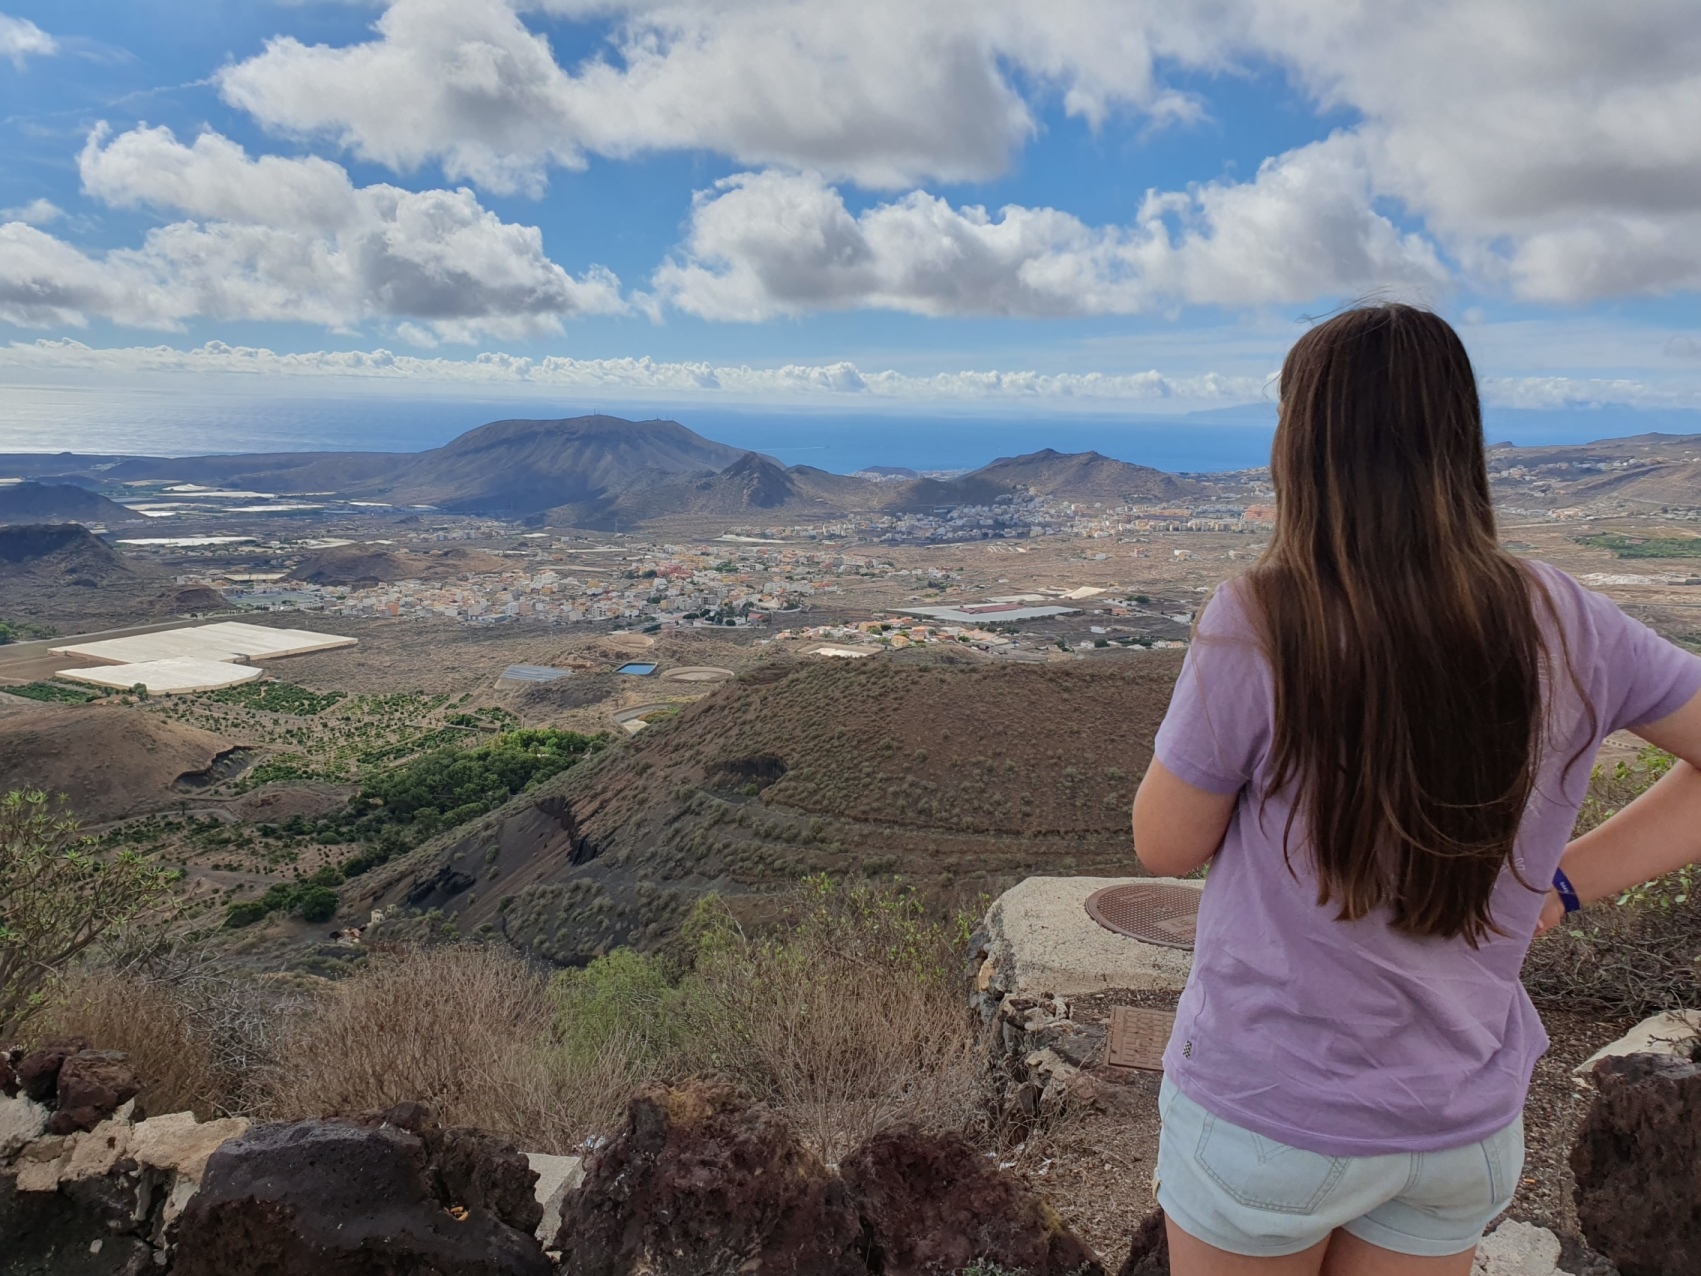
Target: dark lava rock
<point>320,1198</point>
<point>934,1203</point>
<point>1148,1252</point>
<point>699,1181</point>
<point>92,1085</point>
<point>1638,1165</point>
<point>47,1234</point>
<point>8,1077</point>
<point>38,1071</point>
<point>482,1171</point>
<point>468,1167</point>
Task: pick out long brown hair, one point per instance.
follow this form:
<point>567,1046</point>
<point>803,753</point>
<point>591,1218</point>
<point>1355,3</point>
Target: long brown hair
<point>1407,656</point>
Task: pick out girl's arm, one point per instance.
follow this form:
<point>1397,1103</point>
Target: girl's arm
<point>1656,834</point>
<point>1176,826</point>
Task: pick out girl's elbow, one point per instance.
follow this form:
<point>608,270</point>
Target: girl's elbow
<point>1168,861</point>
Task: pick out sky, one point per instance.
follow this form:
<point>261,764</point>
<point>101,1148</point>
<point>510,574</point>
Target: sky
<point>992,208</point>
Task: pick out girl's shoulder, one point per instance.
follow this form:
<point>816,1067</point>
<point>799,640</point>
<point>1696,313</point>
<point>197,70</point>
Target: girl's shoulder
<point>1230,614</point>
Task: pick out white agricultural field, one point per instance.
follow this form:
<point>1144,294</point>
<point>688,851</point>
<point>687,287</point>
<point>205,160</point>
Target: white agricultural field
<point>225,641</point>
<point>178,676</point>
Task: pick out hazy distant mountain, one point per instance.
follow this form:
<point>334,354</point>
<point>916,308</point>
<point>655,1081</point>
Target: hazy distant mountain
<point>602,471</point>
<point>30,502</point>
<point>1082,476</point>
<point>521,467</point>
<point>752,486</point>
<point>287,473</point>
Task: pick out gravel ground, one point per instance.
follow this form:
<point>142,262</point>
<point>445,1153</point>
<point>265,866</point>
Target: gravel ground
<point>1095,1164</point>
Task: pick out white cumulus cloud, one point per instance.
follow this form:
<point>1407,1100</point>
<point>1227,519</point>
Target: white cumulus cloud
<point>20,38</point>
<point>38,212</point>
<point>883,92</point>
<point>771,243</point>
<point>289,239</point>
<point>1551,149</point>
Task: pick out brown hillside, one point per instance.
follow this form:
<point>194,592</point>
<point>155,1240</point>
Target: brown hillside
<point>958,778</point>
<point>108,761</point>
<point>58,554</point>
<point>376,564</point>
<point>1084,476</point>
<point>522,467</point>
<point>59,503</point>
<point>751,486</point>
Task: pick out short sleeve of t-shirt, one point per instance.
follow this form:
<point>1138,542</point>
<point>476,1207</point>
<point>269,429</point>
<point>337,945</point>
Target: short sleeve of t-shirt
<point>1638,676</point>
<point>1217,728</point>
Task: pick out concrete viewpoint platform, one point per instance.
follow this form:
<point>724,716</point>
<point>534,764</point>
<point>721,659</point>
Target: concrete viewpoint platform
<point>1040,940</point>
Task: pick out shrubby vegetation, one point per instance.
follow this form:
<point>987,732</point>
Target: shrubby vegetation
<point>278,697</point>
<point>313,899</point>
<point>398,809</point>
<point>847,1015</point>
<point>1645,547</point>
<point>58,896</point>
<point>22,631</point>
<point>52,692</point>
<point>1636,954</point>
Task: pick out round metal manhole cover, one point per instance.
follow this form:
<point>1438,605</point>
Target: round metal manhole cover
<point>1154,914</point>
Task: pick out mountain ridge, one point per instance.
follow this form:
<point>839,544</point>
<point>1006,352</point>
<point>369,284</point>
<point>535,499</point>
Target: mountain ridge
<point>600,471</point>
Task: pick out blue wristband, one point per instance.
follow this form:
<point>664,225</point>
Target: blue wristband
<point>1566,891</point>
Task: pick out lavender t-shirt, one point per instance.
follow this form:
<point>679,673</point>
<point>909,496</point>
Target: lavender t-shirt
<point>1350,1038</point>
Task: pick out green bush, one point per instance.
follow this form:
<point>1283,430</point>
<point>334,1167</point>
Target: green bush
<point>626,999</point>
<point>316,904</point>
<point>58,896</point>
<point>50,691</point>
<point>22,631</point>
<point>278,697</point>
<point>245,914</point>
<point>312,900</point>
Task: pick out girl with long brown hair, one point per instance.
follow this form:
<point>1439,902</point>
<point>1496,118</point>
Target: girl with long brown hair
<point>1379,742</point>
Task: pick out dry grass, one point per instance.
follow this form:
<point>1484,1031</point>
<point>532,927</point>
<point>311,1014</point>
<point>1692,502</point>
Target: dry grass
<point>202,1036</point>
<point>464,1029</point>
<point>848,1020</point>
<point>117,1012</point>
<point>844,1050</point>
<point>853,1022</point>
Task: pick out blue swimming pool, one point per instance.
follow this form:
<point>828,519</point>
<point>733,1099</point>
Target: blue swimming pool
<point>637,668</point>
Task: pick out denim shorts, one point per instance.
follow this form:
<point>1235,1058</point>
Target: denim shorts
<point>1250,1195</point>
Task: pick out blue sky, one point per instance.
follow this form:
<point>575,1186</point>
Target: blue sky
<point>1085,207</point>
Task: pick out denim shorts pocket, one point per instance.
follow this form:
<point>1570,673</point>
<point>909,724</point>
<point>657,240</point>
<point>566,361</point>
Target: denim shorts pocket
<point>1504,1153</point>
<point>1263,1174</point>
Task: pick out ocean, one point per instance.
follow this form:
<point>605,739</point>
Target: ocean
<point>57,418</point>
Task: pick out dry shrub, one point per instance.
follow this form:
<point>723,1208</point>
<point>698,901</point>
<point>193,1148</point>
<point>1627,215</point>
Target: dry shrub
<point>464,1029</point>
<point>1637,957</point>
<point>115,1011</point>
<point>845,1050</point>
<point>1637,954</point>
<point>201,1035</point>
<point>850,1021</point>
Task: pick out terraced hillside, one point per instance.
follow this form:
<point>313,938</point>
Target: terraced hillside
<point>960,778</point>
